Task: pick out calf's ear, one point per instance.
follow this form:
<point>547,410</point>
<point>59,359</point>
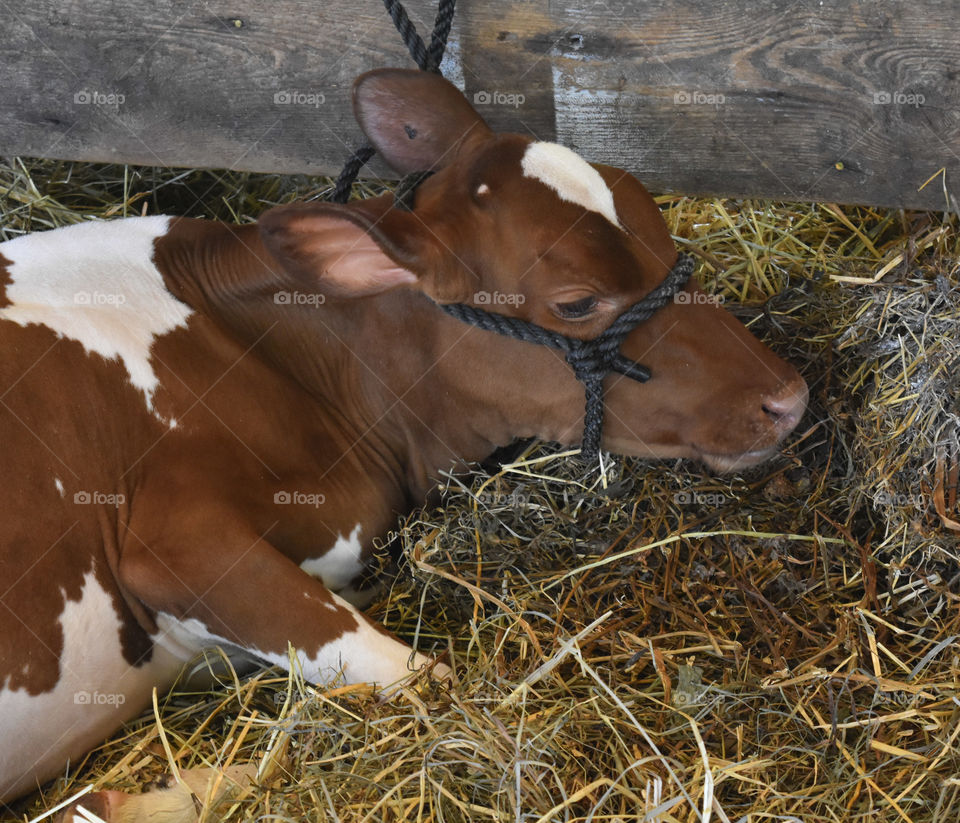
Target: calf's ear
<point>415,119</point>
<point>348,251</point>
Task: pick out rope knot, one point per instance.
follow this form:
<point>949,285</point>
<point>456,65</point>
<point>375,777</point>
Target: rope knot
<point>587,361</point>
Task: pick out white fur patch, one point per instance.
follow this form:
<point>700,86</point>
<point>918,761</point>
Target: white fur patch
<point>341,563</point>
<point>186,638</point>
<point>97,691</point>
<point>96,283</point>
<point>363,655</point>
<point>571,177</point>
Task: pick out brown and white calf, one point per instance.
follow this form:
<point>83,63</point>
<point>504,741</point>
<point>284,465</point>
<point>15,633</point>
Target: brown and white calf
<point>205,426</point>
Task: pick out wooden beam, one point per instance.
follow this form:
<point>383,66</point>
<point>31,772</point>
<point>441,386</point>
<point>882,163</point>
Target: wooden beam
<point>801,99</point>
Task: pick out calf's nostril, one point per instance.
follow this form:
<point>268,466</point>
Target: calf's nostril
<point>786,408</point>
<point>778,414</point>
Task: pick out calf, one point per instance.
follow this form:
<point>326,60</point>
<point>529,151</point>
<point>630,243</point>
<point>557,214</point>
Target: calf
<point>206,426</point>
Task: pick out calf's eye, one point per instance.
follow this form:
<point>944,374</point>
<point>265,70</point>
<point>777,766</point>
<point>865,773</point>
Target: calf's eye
<point>577,309</point>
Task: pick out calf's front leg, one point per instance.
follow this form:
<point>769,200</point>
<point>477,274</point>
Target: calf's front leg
<point>229,587</point>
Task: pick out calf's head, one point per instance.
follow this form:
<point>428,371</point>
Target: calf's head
<point>531,230</point>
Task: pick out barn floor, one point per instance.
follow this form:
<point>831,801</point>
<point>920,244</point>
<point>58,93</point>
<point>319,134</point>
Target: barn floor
<point>649,642</point>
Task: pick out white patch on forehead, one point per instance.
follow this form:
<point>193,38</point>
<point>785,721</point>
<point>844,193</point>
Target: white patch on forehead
<point>571,177</point>
<point>59,484</point>
<point>96,283</point>
<point>97,691</point>
<point>341,563</point>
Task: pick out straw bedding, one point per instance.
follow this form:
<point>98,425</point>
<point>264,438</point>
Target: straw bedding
<point>640,641</point>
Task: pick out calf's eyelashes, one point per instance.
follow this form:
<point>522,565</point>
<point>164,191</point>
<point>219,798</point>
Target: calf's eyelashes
<point>576,309</point>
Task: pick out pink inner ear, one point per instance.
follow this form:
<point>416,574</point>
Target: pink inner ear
<point>345,257</point>
<point>365,269</point>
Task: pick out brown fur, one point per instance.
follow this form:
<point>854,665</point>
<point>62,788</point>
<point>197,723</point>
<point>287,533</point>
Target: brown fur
<point>363,398</point>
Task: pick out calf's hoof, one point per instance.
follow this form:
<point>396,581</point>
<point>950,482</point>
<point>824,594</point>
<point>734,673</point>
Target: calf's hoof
<point>170,802</point>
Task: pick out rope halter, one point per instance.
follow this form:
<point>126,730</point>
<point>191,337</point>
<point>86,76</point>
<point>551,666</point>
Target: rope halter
<point>591,360</point>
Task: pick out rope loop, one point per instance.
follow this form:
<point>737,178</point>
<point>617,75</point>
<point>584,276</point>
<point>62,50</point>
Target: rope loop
<point>591,360</point>
<point>406,191</point>
<point>426,58</point>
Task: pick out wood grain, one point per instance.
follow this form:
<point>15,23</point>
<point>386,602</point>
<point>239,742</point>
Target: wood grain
<point>842,101</point>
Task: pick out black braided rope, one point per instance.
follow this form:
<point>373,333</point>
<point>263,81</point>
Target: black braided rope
<point>441,31</point>
<point>408,32</point>
<point>426,58</point>
<point>591,360</point>
<point>341,190</point>
<point>405,193</point>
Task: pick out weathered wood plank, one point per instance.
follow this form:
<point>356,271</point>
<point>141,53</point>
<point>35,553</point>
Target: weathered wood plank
<point>849,101</point>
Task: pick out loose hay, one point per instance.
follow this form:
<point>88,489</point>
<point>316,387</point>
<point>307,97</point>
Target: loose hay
<point>645,642</point>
